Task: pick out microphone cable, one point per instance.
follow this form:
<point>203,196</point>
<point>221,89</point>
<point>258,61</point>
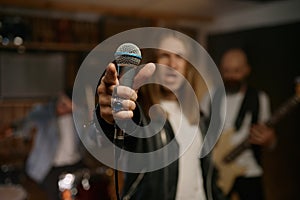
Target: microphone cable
<point>119,145</point>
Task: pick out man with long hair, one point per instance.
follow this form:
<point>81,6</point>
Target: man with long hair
<point>181,179</point>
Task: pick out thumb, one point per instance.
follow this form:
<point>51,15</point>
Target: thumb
<point>146,72</point>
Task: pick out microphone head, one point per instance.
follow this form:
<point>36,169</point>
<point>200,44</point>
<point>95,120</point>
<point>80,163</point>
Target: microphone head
<point>128,54</point>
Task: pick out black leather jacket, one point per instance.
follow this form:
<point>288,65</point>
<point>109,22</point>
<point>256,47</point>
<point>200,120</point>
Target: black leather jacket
<point>160,184</point>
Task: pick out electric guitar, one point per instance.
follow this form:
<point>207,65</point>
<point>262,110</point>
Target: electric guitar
<point>224,153</point>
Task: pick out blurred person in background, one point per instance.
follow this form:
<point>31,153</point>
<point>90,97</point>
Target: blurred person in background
<point>57,148</point>
<point>247,109</point>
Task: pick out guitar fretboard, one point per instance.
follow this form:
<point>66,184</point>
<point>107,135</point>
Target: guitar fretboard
<point>283,111</point>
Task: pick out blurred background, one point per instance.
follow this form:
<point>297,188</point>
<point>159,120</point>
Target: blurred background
<point>43,43</point>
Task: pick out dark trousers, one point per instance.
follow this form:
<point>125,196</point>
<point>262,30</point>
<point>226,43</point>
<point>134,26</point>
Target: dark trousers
<point>50,183</point>
<point>249,188</point>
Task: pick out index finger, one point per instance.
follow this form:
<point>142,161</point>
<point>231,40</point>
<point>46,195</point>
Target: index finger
<point>110,77</point>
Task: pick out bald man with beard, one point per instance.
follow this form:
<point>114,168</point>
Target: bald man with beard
<point>247,109</point>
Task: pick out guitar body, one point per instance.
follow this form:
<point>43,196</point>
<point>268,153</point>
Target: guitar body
<point>227,172</point>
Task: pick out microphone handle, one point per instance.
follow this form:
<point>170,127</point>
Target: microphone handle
<point>126,75</point>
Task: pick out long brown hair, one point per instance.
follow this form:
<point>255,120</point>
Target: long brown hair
<point>153,93</point>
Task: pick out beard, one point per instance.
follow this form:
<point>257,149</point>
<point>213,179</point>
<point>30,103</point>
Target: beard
<point>232,86</point>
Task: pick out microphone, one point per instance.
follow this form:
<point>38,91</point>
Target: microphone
<point>127,58</point>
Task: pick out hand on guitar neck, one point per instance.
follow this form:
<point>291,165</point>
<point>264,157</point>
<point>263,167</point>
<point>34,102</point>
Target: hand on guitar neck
<point>263,135</point>
<point>260,134</point>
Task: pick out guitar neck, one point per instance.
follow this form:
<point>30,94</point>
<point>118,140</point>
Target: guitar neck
<point>233,154</point>
<point>283,110</point>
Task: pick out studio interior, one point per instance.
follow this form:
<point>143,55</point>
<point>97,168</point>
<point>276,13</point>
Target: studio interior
<point>45,44</point>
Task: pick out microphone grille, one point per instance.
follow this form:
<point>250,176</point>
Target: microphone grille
<point>128,53</point>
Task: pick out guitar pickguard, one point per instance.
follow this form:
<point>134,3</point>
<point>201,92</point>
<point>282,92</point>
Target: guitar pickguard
<point>227,172</point>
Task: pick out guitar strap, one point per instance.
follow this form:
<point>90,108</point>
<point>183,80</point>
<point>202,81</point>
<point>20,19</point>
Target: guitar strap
<point>250,104</point>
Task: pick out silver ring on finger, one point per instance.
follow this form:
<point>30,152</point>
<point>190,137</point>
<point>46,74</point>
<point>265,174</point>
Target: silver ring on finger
<point>116,104</point>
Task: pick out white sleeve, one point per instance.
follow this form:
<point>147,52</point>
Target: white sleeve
<point>205,105</point>
<point>264,107</point>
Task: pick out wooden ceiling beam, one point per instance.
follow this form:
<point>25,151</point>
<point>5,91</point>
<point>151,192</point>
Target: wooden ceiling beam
<point>101,10</point>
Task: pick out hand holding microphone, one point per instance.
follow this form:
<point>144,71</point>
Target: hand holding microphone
<point>128,94</point>
<point>127,58</point>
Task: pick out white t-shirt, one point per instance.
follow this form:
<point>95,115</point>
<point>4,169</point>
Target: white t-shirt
<point>190,182</point>
<point>233,103</point>
<point>67,152</point>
